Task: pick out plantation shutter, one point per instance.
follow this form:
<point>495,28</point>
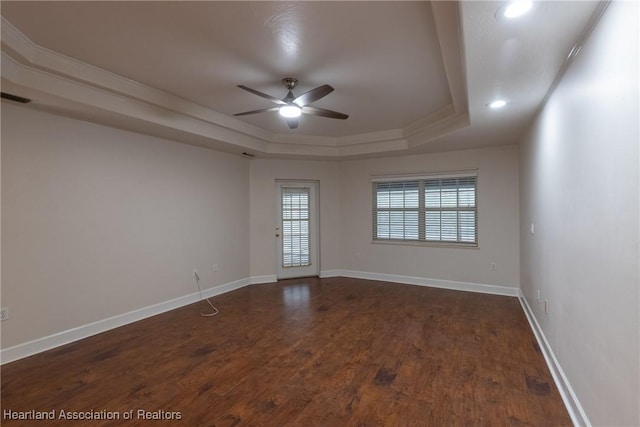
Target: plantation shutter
<point>428,208</point>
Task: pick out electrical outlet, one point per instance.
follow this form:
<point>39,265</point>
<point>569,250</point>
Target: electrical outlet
<point>4,314</point>
<point>494,267</point>
<point>195,274</point>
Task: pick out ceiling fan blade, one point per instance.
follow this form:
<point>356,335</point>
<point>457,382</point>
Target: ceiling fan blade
<point>315,111</point>
<point>262,95</point>
<point>262,110</point>
<point>293,123</point>
<point>313,95</point>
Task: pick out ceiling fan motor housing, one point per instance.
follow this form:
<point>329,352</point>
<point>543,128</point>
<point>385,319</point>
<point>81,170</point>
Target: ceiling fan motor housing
<point>289,82</point>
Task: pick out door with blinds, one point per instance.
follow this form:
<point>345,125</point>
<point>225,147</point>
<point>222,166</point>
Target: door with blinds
<point>297,229</point>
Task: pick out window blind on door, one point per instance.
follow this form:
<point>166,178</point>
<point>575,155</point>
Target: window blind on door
<point>296,242</point>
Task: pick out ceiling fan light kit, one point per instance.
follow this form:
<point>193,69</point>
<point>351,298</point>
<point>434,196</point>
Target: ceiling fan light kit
<point>290,111</point>
<point>291,106</point>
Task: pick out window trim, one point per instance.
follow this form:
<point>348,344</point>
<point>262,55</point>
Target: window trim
<point>422,178</point>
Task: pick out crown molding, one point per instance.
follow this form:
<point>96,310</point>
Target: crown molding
<point>65,85</point>
<point>39,57</point>
<point>86,96</point>
<point>446,16</point>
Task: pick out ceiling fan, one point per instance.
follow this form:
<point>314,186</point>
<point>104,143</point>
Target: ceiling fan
<point>291,106</point>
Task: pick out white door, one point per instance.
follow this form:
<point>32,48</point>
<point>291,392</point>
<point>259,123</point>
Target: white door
<point>297,229</point>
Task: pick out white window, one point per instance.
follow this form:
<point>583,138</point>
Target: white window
<point>431,209</point>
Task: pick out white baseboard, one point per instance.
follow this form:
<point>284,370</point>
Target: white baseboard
<point>435,283</point>
<point>331,273</point>
<point>576,412</point>
<point>42,344</point>
<point>65,337</point>
<point>571,402</point>
<point>257,280</point>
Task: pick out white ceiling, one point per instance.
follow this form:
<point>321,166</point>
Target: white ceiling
<point>413,76</point>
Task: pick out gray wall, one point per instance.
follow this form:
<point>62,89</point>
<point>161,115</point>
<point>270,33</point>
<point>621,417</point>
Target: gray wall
<point>579,186</point>
<point>98,222</point>
<point>497,220</point>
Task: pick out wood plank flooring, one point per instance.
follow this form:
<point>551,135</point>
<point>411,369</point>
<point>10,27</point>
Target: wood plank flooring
<point>302,352</point>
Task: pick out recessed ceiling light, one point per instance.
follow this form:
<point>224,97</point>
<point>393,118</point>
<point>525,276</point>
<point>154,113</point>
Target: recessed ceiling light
<point>498,103</point>
<point>517,8</point>
<point>290,111</point>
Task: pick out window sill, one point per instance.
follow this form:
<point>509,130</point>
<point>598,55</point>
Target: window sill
<point>427,244</point>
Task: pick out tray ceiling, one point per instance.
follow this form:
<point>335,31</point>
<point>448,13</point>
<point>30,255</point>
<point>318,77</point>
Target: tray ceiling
<point>411,75</point>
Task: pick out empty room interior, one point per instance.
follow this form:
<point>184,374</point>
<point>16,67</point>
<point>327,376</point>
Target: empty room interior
<point>320,213</point>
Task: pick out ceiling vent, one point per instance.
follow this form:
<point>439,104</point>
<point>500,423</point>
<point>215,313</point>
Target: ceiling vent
<point>14,98</point>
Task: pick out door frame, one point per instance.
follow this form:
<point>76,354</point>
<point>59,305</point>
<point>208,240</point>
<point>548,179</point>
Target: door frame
<point>314,228</point>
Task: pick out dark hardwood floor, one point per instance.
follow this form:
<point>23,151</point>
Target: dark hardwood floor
<point>303,352</point>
